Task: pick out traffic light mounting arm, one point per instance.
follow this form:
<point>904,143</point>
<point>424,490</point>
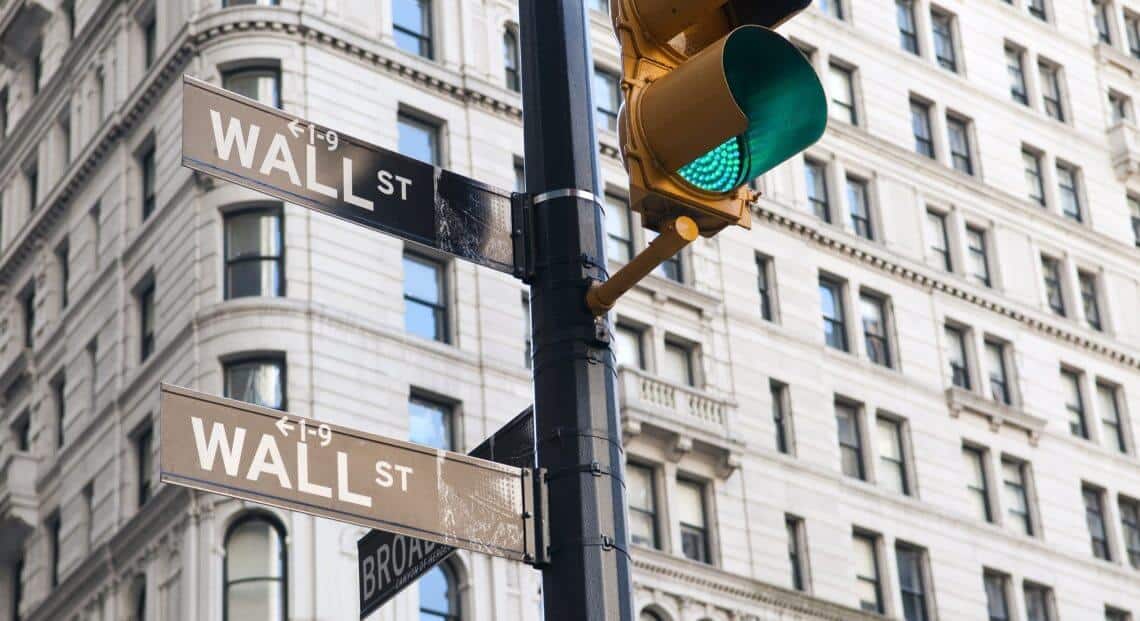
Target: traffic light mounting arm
<point>674,236</point>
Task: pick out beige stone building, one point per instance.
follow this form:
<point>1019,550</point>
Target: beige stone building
<point>911,390</point>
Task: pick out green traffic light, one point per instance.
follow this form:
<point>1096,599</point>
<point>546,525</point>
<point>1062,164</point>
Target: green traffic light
<point>781,96</point>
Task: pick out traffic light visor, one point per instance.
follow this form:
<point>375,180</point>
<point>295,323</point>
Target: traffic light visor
<point>779,94</point>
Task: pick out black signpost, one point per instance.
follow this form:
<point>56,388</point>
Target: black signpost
<point>237,139</point>
<point>388,562</point>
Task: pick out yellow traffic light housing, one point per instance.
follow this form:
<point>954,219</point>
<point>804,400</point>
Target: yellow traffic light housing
<point>713,99</point>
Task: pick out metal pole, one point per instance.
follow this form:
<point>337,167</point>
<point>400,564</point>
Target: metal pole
<point>576,417</point>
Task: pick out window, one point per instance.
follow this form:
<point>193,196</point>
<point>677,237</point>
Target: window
<point>997,595</point>
<point>28,308</point>
<point>892,461</point>
<point>908,31</point>
<point>796,556</point>
<point>430,423</point>
<point>58,392</point>
<point>920,125</point>
<point>956,353</point>
<point>439,594</point>
<point>1134,208</point>
<point>857,202</point>
<point>261,84</point>
<point>978,483</point>
<point>65,136</point>
<point>1115,614</point>
<point>32,178</point>
<point>22,432</point>
<point>642,505</point>
<point>425,298</point>
<point>781,418</point>
<point>678,364</point>
<point>255,574</point>
<point>607,99</point>
<point>912,583</point>
<point>138,592</point>
<point>1120,106</point>
<point>834,323</point>
<point>619,235</point>
<point>1051,90</point>
<point>1037,9</point>
<point>54,543</point>
<point>88,514</point>
<point>1037,606</point>
<point>691,514</point>
<point>418,138</point>
<point>875,337</point>
<point>1034,182</point>
<point>1110,416</point>
<point>144,461</point>
<point>254,253</point>
<point>1068,185</point>
<point>3,112</point>
<point>868,589</point>
<point>150,40</point>
<point>939,241</point>
<point>764,286</point>
<point>146,321</point>
<point>841,86</point>
<point>944,52</point>
<point>17,589</point>
<point>834,8</point>
<point>260,381</point>
<point>37,71</point>
<point>627,347</point>
<point>977,260</point>
<point>100,95</point>
<point>1130,525</point>
<point>147,175</point>
<point>1014,66</point>
<point>93,366</point>
<point>999,377</point>
<point>1094,518</point>
<point>1074,403</point>
<point>528,335</point>
<point>1100,19</point>
<point>958,130</point>
<point>1014,476</point>
<point>1051,272</point>
<point>511,74</point>
<point>815,174</point>
<point>850,440</point>
<point>1132,25</point>
<point>96,233</point>
<point>1089,299</point>
<point>411,26</point>
<point>63,261</point>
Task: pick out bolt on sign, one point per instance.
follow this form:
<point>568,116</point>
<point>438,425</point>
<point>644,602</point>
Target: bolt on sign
<point>388,562</point>
<point>235,138</point>
<point>270,457</point>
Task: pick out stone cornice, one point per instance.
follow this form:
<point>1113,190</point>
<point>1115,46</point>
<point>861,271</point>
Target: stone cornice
<point>908,271</point>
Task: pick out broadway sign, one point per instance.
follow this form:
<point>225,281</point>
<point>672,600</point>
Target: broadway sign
<point>240,140</point>
<point>267,456</point>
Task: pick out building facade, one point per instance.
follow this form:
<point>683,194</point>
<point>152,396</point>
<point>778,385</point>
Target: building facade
<point>912,389</point>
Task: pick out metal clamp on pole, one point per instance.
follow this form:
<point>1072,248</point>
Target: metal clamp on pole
<point>674,236</point>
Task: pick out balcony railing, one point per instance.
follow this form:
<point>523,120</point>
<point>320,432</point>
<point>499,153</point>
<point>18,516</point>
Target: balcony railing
<point>690,416</point>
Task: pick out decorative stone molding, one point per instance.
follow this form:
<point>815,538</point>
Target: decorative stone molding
<point>998,414</point>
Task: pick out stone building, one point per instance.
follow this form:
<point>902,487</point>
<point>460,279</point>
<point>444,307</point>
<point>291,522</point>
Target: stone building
<point>911,389</point>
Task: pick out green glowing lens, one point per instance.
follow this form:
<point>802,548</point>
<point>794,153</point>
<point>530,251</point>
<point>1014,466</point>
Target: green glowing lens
<point>718,170</point>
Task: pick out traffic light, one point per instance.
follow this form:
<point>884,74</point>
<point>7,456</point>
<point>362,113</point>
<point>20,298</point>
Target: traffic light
<point>713,99</point>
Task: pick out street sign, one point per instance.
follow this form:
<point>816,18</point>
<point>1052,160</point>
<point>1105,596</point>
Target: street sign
<point>382,575</point>
<point>268,456</point>
<point>235,138</point>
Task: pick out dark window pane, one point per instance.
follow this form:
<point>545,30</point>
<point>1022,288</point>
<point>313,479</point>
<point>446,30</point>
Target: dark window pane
<point>258,83</point>
<point>260,382</point>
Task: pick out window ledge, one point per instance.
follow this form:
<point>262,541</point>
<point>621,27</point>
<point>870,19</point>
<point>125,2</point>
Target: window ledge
<point>692,419</point>
<point>997,414</point>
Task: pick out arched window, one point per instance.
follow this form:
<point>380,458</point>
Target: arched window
<point>649,615</point>
<point>439,594</point>
<point>255,570</point>
<point>511,59</point>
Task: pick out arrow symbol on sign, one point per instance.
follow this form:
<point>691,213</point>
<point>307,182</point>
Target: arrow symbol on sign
<point>295,128</point>
<point>284,426</point>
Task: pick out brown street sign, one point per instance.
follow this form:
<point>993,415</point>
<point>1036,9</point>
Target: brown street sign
<point>388,562</point>
<point>271,457</point>
<point>240,140</point>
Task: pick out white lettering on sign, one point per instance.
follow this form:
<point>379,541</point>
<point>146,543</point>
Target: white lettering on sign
<point>267,461</point>
<point>278,156</point>
<point>404,558</point>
